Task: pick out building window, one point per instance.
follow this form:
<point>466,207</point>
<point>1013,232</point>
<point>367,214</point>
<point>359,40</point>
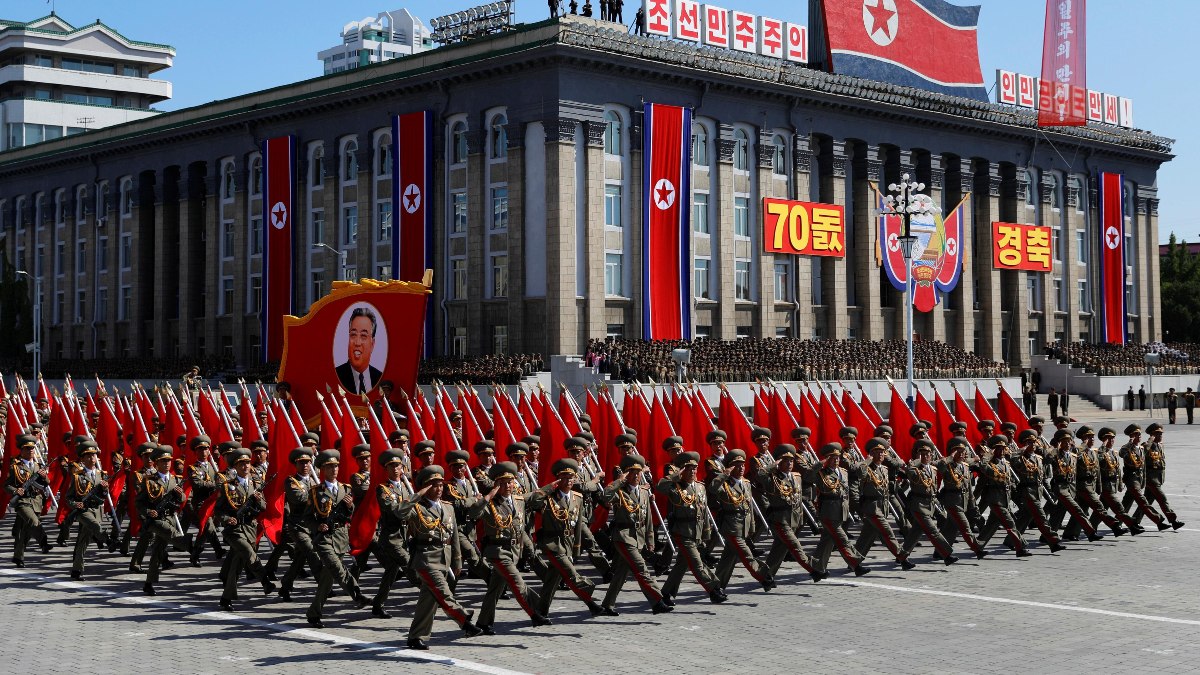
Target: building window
<point>350,161</point>
<point>699,145</point>
<point>615,331</point>
<point>256,176</point>
<point>702,280</point>
<point>614,274</point>
<point>351,272</point>
<point>102,305</point>
<point>102,254</point>
<point>228,181</point>
<point>499,339</point>
<point>612,133</point>
<point>1081,246</point>
<point>127,198</point>
<point>80,305</point>
<point>1060,302</point>
<point>80,256</point>
<point>59,207</point>
<point>499,136</point>
<point>383,165</point>
<point>778,156</point>
<point>459,224</point>
<point>227,239</point>
<point>1031,189</point>
<point>1085,298</point>
<point>126,250</point>
<point>349,224</point>
<point>1080,194</point>
<point>316,227</point>
<point>125,303</point>
<point>60,301</point>
<point>458,342</point>
<point>383,216</point>
<point>60,257</point>
<point>612,206</point>
<point>500,208</point>
<point>255,294</point>
<point>1035,292</point>
<point>316,285</point>
<point>316,169</point>
<point>459,139</point>
<point>458,276</point>
<point>741,279</point>
<point>256,235</point>
<point>227,295</point>
<point>1055,189</point>
<point>700,213</point>
<point>741,217</point>
<point>741,150</point>
<point>783,285</point>
<point>500,276</point>
<point>383,271</point>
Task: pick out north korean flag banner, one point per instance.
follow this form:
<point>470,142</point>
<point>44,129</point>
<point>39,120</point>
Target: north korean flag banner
<point>279,167</point>
<point>927,44</point>
<point>412,158</point>
<point>1112,257</point>
<point>666,194</point>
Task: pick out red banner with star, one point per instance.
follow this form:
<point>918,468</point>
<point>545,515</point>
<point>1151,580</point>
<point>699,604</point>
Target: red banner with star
<point>666,196</point>
<point>1112,257</point>
<point>279,171</point>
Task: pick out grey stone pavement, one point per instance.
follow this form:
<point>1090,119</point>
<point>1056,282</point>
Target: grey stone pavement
<point>1119,605</point>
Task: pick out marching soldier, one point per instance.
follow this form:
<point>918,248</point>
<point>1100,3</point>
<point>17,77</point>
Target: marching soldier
<point>1087,475</point>
<point>833,508</point>
<point>763,461</point>
<point>852,463</point>
<point>955,495</point>
<point>735,521</point>
<point>85,494</point>
<point>485,457</point>
<point>874,497</point>
<point>424,453</point>
<point>782,491</point>
<point>688,520</point>
<point>203,477</point>
<point>239,502</point>
<point>502,513</point>
<point>295,519</point>
<point>1156,470</point>
<point>1134,455</point>
<point>895,469</point>
<point>27,484</point>
<point>260,451</point>
<point>435,556</point>
<point>562,519</point>
<point>1064,481</point>
<point>632,531</point>
<point>158,503</point>
<point>461,492</point>
<point>330,507</point>
<point>1030,474</point>
<point>922,495</point>
<point>392,494</point>
<point>587,484</point>
<point>1109,463</point>
<point>996,479</point>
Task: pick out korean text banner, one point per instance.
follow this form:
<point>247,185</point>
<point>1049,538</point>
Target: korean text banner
<point>666,194</point>
<point>355,338</point>
<point>279,168</point>
<point>1062,91</point>
<point>1016,246</point>
<point>804,228</point>
<point>1112,257</point>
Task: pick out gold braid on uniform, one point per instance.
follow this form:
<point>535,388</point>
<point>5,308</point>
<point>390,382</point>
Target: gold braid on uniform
<point>1134,459</point>
<point>1155,458</point>
<point>870,472</point>
<point>81,485</point>
<point>735,500</point>
<point>233,497</point>
<point>836,485</point>
<point>316,503</point>
<point>1110,464</point>
<point>453,492</point>
<point>498,520</point>
<point>925,479</point>
<point>1035,471</point>
<point>952,473</point>
<point>428,524</point>
<point>995,474</point>
<point>560,514</point>
<point>783,487</point>
<point>21,475</point>
<point>1089,464</point>
<point>1066,469</point>
<point>686,496</point>
<point>150,489</point>
<point>627,503</point>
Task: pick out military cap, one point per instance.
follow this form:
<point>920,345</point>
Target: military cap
<point>391,456</point>
<point>1154,428</point>
<point>424,447</point>
<point>86,448</point>
<point>75,439</point>
<point>327,457</point>
<point>686,458</point>
<point>956,443</point>
<point>181,440</point>
<point>1062,435</point>
<point>456,414</point>
<point>734,456</point>
<point>760,432</point>
<point>160,452</point>
<point>360,450</point>
<point>430,474</point>
<point>916,429</point>
<point>146,448</point>
<point>26,440</point>
<point>516,450</point>
<point>1062,419</point>
<point>201,440</point>
<point>783,451</point>
<point>830,449</point>
<point>1008,426</point>
<point>36,425</point>
<point>532,440</point>
<point>239,455</point>
<point>632,463</point>
<point>1037,420</point>
<point>923,445</point>
<point>565,465</point>
<point>310,437</point>
<point>997,441</point>
<point>260,443</point>
<point>587,436</point>
<point>715,435</point>
<point>1106,432</point>
<point>501,470</point>
<point>1027,436</point>
<point>485,447</point>
<point>983,425</point>
<point>575,443</point>
<point>883,429</point>
<point>801,432</point>
<point>1132,429</point>
<point>876,444</point>
<point>585,418</point>
<point>623,439</point>
<point>299,453</point>
<point>457,457</point>
<point>847,431</point>
<point>672,442</point>
<point>957,426</point>
<point>1083,432</point>
<point>228,446</point>
<point>398,435</point>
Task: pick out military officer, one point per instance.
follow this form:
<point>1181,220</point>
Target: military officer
<point>735,521</point>
<point>1134,455</point>
<point>558,538</point>
<point>392,549</point>
<point>158,504</point>
<point>1156,470</point>
<point>588,485</point>
<point>833,508</point>
<point>874,497</point>
<point>27,484</point>
<point>631,531</point>
<point>1109,464</point>
<point>1064,481</point>
<point>330,507</point>
<point>687,522</point>
<point>203,477</point>
<point>996,479</point>
<point>922,495</point>
<point>85,494</point>
<point>955,496</point>
<point>463,494</point>
<point>239,501</point>
<point>1087,475</point>
<point>782,491</point>
<point>295,519</point>
<point>1030,473</point>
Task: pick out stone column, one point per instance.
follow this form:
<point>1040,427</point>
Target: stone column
<point>516,237</point>
<point>592,194</point>
<point>868,169</point>
<point>1146,265</point>
<point>986,209</point>
<point>962,329</point>
<point>1154,306</point>
<point>765,320</point>
<point>562,309</point>
<point>720,204</point>
<point>802,161</point>
<point>833,270</point>
<point>1016,283</point>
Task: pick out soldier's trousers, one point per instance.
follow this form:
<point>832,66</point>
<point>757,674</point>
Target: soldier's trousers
<point>689,558</point>
<point>921,510</point>
<point>786,544</point>
<point>303,553</point>
<point>1134,494</point>
<point>1069,504</point>
<point>210,537</point>
<point>560,569</point>
<point>395,559</point>
<point>332,570</point>
<point>1088,501</point>
<point>241,556</point>
<point>1032,513</point>
<point>1000,516</point>
<point>737,549</point>
<point>472,561</point>
<point>958,521</point>
<point>629,561</point>
<point>1109,501</point>
<point>89,531</point>
<point>903,522</point>
<point>156,534</point>
<point>505,575</point>
<point>833,535</point>
<point>27,525</point>
<point>435,592</point>
<point>596,553</point>
<point>1154,493</point>
<point>874,526</point>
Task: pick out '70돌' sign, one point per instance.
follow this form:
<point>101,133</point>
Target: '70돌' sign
<point>804,228</point>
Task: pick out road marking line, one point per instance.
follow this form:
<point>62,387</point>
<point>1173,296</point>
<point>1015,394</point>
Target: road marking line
<point>1024,603</point>
<point>282,629</point>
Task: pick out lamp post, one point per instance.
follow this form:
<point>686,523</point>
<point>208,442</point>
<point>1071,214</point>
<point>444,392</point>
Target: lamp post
<point>37,323</point>
<point>341,258</point>
<point>906,201</point>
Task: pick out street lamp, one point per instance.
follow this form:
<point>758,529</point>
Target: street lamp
<point>36,345</point>
<point>341,258</point>
<point>906,202</point>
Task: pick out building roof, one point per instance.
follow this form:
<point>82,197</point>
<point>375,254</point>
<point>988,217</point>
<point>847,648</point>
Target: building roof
<point>52,24</point>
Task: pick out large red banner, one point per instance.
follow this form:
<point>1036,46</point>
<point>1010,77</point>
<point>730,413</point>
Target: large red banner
<point>666,193</point>
<point>412,242</point>
<point>279,168</point>
<point>1112,256</point>
<point>1062,91</point>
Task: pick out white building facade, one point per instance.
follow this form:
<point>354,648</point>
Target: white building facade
<point>389,35</point>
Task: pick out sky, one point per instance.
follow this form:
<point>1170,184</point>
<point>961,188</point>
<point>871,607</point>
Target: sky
<point>229,47</point>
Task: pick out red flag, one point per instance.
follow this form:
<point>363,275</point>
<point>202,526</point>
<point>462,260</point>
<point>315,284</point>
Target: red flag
<point>829,423</point>
<point>983,409</point>
<point>11,451</point>
<point>249,422</point>
<point>351,436</point>
<point>173,427</point>
<point>857,418</point>
<point>471,433</point>
<point>660,430</point>
<point>762,413</point>
<point>529,418</point>
<point>283,441</point>
<point>331,430</point>
<point>427,417</point>
<point>416,430</point>
<point>60,426</point>
<point>554,435</point>
<point>666,276</point>
<point>481,415</point>
<point>965,415</point>
<point>870,409</point>
<point>944,420</point>
<point>503,434</point>
<point>734,423</point>
<point>389,420</point>
<point>1112,257</point>
<point>901,419</point>
<point>613,426</point>
<point>639,418</point>
<point>279,170</point>
<point>593,409</point>
<point>412,153</point>
<point>567,411</point>
<point>109,436</point>
<point>1011,412</point>
<point>443,434</point>
<point>366,514</point>
<point>211,420</point>
<point>925,413</point>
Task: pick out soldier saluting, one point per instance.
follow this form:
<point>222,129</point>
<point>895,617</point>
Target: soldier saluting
<point>330,507</point>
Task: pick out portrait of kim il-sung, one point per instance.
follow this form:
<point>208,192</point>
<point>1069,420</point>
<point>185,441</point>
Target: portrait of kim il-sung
<point>360,348</point>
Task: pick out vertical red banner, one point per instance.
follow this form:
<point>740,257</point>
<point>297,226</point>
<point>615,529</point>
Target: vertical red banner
<point>666,199</point>
<point>279,168</point>
<point>1112,256</point>
<point>1062,92</point>
<point>412,242</point>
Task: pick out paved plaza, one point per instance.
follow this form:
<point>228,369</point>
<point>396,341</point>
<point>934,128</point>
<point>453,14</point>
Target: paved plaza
<point>1118,605</point>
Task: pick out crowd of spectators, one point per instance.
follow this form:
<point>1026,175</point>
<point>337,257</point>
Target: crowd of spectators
<point>490,369</point>
<point>747,359</point>
<point>1128,359</point>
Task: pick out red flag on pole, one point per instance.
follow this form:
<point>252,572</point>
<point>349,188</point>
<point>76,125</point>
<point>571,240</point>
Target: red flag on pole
<point>734,423</point>
<point>965,415</point>
<point>1010,411</point>
<point>554,435</point>
<point>284,440</point>
<point>901,419</point>
<point>279,170</point>
<point>1112,257</point>
<point>351,436</point>
<point>944,420</point>
<point>1062,90</point>
<point>443,434</point>
<point>666,275</point>
<point>366,515</point>
<point>983,409</point>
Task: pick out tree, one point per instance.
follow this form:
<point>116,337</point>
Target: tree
<point>1180,279</point>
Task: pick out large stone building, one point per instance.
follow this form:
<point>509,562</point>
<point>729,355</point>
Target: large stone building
<point>147,234</point>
